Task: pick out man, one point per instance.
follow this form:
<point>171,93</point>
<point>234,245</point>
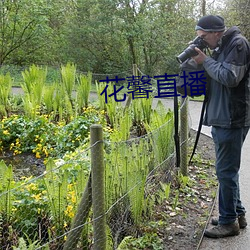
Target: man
<point>228,112</point>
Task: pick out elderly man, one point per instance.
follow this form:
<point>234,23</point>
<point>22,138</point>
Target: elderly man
<point>228,112</point>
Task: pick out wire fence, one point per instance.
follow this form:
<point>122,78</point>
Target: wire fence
<point>96,199</point>
<point>43,212</point>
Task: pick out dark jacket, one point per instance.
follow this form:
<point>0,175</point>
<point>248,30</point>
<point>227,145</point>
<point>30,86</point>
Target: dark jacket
<point>228,103</point>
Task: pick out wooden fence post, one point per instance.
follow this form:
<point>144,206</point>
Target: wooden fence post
<point>98,194</point>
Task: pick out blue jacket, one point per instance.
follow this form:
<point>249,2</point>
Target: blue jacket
<point>228,104</point>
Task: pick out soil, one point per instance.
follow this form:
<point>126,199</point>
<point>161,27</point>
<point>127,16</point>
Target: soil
<point>25,164</point>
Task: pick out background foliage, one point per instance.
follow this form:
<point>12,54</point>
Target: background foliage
<point>107,36</point>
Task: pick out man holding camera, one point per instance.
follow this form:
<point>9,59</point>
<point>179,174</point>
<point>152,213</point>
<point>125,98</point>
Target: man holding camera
<point>228,112</point>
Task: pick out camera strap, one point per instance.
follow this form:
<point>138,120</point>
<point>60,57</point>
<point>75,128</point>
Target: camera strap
<point>176,126</point>
<point>199,129</point>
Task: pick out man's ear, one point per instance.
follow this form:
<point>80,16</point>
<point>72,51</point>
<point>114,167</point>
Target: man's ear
<point>219,34</point>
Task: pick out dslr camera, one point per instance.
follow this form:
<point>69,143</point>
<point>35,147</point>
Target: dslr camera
<point>190,51</point>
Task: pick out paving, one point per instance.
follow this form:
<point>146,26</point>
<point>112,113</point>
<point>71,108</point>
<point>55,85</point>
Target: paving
<point>242,241</point>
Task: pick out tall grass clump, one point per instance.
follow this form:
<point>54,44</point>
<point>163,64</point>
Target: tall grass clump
<point>127,167</point>
<point>100,86</point>
<point>161,132</point>
<point>48,98</point>
<point>83,91</point>
<point>5,90</point>
<point>68,75</point>
<point>6,184</point>
<point>112,107</point>
<point>34,80</point>
<point>141,110</point>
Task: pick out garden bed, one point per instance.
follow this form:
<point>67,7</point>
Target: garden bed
<point>178,221</point>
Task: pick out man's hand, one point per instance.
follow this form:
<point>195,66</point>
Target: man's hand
<point>200,58</point>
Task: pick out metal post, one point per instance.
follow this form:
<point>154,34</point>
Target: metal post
<point>184,136</point>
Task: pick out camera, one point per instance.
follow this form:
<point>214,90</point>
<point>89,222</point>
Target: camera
<point>190,51</point>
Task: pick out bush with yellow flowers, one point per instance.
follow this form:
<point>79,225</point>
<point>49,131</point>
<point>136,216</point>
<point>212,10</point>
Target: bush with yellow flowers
<point>44,137</point>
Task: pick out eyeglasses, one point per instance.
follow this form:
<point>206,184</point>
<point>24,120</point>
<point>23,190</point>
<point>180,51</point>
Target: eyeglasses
<point>203,36</point>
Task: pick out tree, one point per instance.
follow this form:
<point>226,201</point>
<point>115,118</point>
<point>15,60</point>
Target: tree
<point>20,22</point>
<point>237,13</point>
<point>109,36</point>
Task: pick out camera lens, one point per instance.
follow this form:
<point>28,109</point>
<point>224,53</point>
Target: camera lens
<point>187,53</point>
<point>190,51</point>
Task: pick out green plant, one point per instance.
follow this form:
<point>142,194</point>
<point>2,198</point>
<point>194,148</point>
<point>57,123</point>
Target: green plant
<point>29,245</point>
<point>5,90</point>
<point>184,181</point>
<point>142,108</point>
<point>147,241</point>
<point>121,127</point>
<point>56,187</point>
<point>23,134</point>
<point>6,184</point>
<point>48,98</point>
<point>43,137</point>
<point>100,86</point>
<point>83,91</point>
<point>164,191</point>
<point>64,183</point>
<point>68,74</point>
<point>30,208</point>
<point>34,81</point>
<point>126,172</point>
<point>114,109</point>
<point>161,127</point>
<point>176,199</point>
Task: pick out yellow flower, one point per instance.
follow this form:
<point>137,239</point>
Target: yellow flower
<point>16,152</point>
<point>14,209</point>
<point>38,155</point>
<point>6,132</point>
<point>37,196</point>
<point>31,186</point>
<point>73,199</point>
<point>69,211</point>
<point>45,151</point>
